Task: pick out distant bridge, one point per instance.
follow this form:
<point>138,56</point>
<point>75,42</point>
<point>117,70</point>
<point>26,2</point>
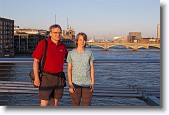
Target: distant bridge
<point>134,46</point>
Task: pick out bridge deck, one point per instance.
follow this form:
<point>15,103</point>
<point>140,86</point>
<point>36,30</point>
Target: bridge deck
<point>9,87</point>
<point>134,46</point>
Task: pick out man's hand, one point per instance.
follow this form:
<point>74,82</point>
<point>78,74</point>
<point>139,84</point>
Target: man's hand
<point>36,83</point>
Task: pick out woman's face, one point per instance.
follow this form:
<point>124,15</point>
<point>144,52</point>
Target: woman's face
<point>81,42</point>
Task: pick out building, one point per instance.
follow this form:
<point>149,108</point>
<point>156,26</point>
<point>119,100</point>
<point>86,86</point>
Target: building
<point>148,40</point>
<point>120,39</point>
<point>26,43</point>
<point>134,37</point>
<point>158,33</point>
<point>6,37</point>
<point>17,29</point>
<point>69,34</point>
<point>26,39</point>
<point>68,38</point>
<point>92,40</point>
<point>24,30</point>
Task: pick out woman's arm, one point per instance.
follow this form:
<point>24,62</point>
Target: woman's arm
<point>92,75</point>
<point>69,74</point>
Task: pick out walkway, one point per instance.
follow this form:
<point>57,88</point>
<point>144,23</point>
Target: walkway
<point>150,96</point>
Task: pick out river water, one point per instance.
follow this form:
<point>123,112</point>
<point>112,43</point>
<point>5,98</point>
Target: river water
<point>116,74</point>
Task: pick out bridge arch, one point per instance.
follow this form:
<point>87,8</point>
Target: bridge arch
<point>134,46</point>
<point>154,46</point>
<point>96,45</point>
<point>115,45</point>
<point>146,47</point>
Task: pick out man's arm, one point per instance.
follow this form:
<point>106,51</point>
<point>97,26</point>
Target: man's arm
<point>36,72</point>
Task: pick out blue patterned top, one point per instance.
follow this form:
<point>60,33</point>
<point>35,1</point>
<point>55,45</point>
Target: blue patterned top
<point>80,66</point>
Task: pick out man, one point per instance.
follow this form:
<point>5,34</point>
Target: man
<point>52,82</point>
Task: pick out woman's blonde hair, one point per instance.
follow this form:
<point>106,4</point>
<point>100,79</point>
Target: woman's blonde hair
<point>84,37</point>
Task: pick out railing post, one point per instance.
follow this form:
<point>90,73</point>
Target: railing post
<point>135,47</point>
<point>105,46</point>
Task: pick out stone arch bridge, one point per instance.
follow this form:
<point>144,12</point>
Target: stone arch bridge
<point>134,46</point>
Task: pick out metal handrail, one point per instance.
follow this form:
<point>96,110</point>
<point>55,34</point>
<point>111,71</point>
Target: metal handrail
<point>114,60</point>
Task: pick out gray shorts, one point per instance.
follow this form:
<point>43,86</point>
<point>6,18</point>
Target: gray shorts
<point>51,86</point>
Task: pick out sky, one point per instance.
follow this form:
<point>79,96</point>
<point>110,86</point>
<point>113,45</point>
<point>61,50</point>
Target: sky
<point>99,18</point>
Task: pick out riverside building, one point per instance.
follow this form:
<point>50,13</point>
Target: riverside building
<point>68,37</point>
<point>6,37</point>
<point>26,39</point>
<point>158,33</point>
<point>134,37</point>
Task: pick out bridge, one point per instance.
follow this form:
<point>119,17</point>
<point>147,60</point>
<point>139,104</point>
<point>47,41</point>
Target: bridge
<point>16,88</point>
<point>134,46</point>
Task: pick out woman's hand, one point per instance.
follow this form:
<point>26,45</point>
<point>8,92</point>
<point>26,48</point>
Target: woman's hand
<point>71,88</point>
<point>92,87</point>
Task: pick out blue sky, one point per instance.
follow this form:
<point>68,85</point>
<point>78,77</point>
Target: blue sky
<point>98,18</point>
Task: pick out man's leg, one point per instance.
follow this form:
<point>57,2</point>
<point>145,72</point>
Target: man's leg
<point>45,90</point>
<point>53,102</point>
<point>44,103</point>
<point>56,102</point>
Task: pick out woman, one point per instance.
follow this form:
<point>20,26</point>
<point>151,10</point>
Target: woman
<point>80,72</point>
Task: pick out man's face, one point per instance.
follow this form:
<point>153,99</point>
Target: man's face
<point>56,34</point>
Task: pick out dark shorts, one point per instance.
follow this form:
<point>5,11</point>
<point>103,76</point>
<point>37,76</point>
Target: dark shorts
<point>51,86</point>
<point>81,95</point>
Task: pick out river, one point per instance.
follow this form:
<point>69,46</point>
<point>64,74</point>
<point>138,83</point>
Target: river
<point>116,74</point>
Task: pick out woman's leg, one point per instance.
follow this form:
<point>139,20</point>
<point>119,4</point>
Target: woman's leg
<point>76,96</point>
<point>86,96</point>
